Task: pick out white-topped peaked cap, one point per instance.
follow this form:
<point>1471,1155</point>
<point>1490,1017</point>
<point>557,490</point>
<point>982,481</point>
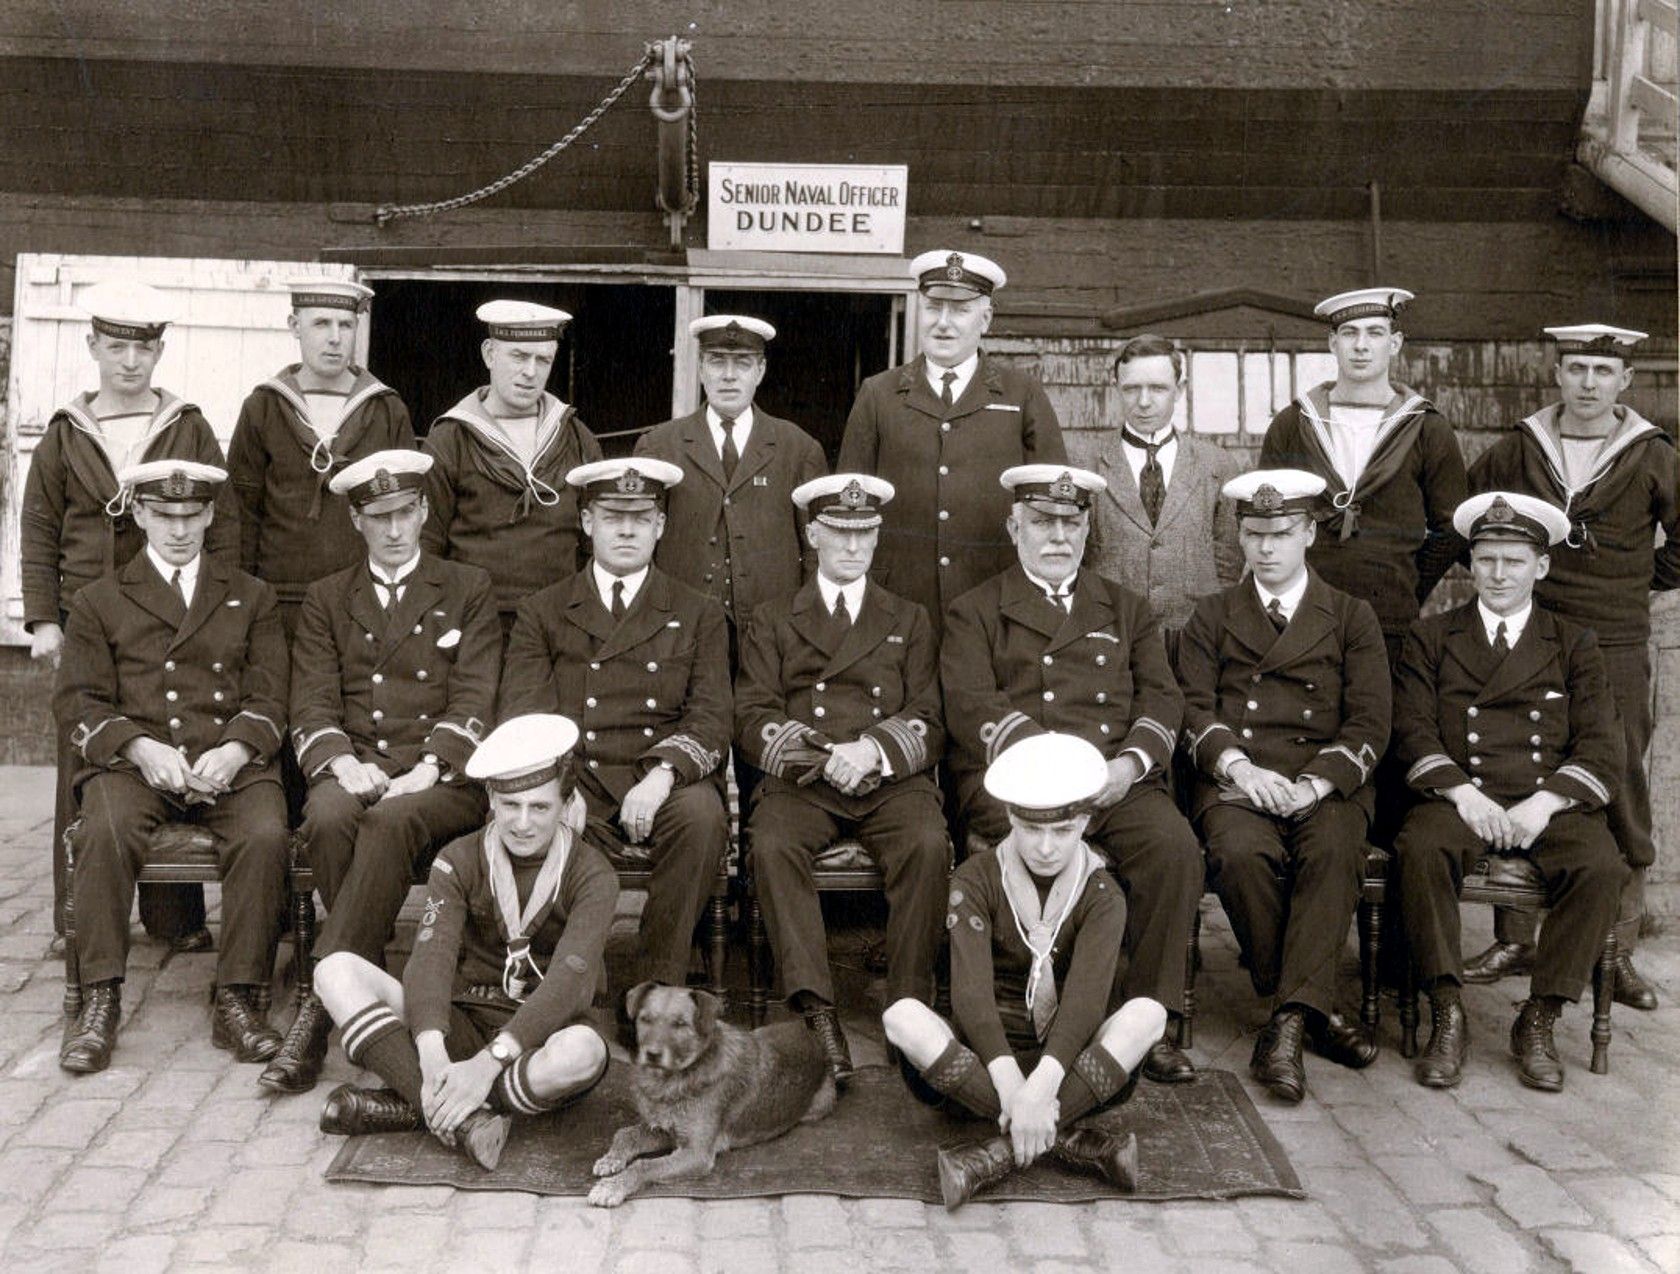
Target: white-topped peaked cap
<point>639,482</point>
<point>1272,493</point>
<point>848,501</point>
<point>1048,777</point>
<point>1596,338</point>
<point>172,481</point>
<point>127,309</point>
<point>1510,515</point>
<point>1360,303</point>
<point>948,275</point>
<point>386,478</point>
<point>523,752</point>
<point>314,292</point>
<point>733,332</point>
<point>522,320</point>
<point>1055,488</point>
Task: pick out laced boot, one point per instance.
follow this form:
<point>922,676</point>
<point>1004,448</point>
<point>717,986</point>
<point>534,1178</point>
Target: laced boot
<point>235,1024</point>
<point>825,1024</point>
<point>1277,1061</point>
<point>297,1064</point>
<point>88,1041</point>
<point>1534,1048</point>
<point>965,1170</point>
<point>354,1112</point>
<point>1442,1062</point>
<point>1105,1154</point>
<point>481,1137</point>
<point>1631,987</point>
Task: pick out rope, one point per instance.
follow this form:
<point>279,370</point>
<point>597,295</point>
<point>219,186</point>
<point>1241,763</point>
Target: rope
<point>391,212</point>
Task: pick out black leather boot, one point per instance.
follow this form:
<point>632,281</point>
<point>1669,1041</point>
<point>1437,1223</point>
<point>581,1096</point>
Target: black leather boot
<point>965,1170</point>
<point>1112,1157</point>
<point>236,1024</point>
<point>1167,1063</point>
<point>1501,960</point>
<point>355,1112</point>
<point>481,1137</point>
<point>1631,987</point>
<point>825,1024</point>
<point>297,1064</point>
<point>1336,1039</point>
<point>1442,1063</point>
<point>1277,1062</point>
<point>1534,1048</point>
<point>88,1040</point>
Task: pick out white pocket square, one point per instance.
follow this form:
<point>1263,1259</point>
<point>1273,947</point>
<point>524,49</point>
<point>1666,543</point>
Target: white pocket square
<point>1554,694</point>
<point>233,601</point>
<point>450,639</point>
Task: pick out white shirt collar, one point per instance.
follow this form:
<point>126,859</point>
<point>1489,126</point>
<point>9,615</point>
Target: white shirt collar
<point>189,572</point>
<point>1165,438</point>
<point>1064,589</point>
<point>853,591</point>
<point>1288,600</point>
<point>743,427</point>
<point>964,371</point>
<point>604,581</point>
<point>397,576</point>
<point>1514,623</point>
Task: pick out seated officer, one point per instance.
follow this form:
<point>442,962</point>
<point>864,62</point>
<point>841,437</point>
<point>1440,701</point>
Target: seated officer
<point>641,662</point>
<point>173,691</point>
<point>1046,646</point>
<point>1508,728</point>
<point>490,1018</point>
<point>1286,710</point>
<point>1035,940</point>
<point>394,668</point>
<point>838,703</point>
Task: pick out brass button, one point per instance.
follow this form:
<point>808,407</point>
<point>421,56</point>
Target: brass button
<point>1535,757</point>
<point>1049,696</point>
<point>1306,714</point>
<point>1475,760</point>
<point>1048,661</point>
<point>420,675</point>
<point>944,515</point>
<point>647,732</point>
<point>652,666</point>
<point>875,691</point>
<point>378,678</point>
<point>383,746</point>
<point>590,702</point>
<point>590,735</point>
<point>171,695</point>
<point>1253,705</point>
<point>594,667</point>
<point>1102,696</point>
<point>169,665</point>
<point>1477,780</point>
<point>1472,737</point>
<point>174,723</point>
<point>819,711</point>
<point>820,686</point>
<point>1534,739</point>
<point>1534,714</point>
<point>944,471</point>
<point>213,667</point>
<point>218,697</point>
<point>653,703</point>
<point>1102,661</point>
<point>1471,711</point>
<point>377,715</point>
<point>1247,733</point>
<point>594,764</point>
<point>1103,727</point>
<point>944,426</point>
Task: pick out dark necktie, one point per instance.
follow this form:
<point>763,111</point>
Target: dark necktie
<point>617,600</point>
<point>1152,481</point>
<point>842,612</point>
<point>1501,646</point>
<point>180,589</point>
<point>1062,601</point>
<point>731,454</point>
<point>1274,612</point>
<point>946,399</point>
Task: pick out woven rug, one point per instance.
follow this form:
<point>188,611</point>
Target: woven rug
<point>1203,1140</point>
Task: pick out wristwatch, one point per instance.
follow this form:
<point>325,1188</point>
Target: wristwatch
<point>505,1049</point>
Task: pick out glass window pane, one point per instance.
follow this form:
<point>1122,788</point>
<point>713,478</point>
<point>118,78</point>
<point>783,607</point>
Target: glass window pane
<point>1313,369</point>
<point>1213,389</point>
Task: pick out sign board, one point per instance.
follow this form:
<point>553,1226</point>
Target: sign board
<point>806,207</point>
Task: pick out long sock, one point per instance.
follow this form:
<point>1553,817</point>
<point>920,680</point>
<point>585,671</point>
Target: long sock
<point>512,1093</point>
<point>1095,1079</point>
<point>376,1039</point>
<point>959,1075</point>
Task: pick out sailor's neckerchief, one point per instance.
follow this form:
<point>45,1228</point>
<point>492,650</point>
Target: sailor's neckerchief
<point>79,411</point>
<point>517,926</point>
<point>323,460</point>
<point>1040,924</point>
<point>1630,428</point>
<point>1396,432</point>
<point>470,412</point>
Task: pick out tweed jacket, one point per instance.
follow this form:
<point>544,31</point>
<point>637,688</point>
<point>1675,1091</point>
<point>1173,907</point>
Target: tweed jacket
<point>741,541</point>
<point>1189,551</point>
<point>138,665</point>
<point>1539,719</point>
<point>391,689</point>
<point>1315,699</point>
<point>877,681</point>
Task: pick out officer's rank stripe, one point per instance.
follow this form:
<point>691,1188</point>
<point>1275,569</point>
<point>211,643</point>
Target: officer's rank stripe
<point>780,739</point>
<point>257,716</point>
<point>1358,763</point>
<point>1155,727</point>
<point>1196,740</point>
<point>909,743</point>
<point>1586,779</point>
<point>705,760</point>
<point>303,742</point>
<point>1011,722</point>
<point>464,731</point>
<point>1434,761</point>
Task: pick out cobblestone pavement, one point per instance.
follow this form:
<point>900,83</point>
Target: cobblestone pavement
<point>171,1160</point>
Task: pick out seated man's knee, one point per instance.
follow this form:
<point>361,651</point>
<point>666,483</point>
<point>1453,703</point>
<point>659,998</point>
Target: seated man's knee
<point>914,1029</point>
<point>329,809</point>
<point>1138,1018</point>
<point>339,974</point>
<point>575,1052</point>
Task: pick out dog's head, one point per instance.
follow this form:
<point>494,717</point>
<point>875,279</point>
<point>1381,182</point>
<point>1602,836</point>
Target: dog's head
<point>674,1024</point>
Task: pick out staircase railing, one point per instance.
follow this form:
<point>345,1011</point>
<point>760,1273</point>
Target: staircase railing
<point>1628,136</point>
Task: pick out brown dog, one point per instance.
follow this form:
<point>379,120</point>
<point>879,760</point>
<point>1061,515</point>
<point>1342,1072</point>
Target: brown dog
<point>702,1086</point>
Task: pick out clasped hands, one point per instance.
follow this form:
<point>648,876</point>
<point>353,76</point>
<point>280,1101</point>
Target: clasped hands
<point>1502,829</point>
<point>165,768</point>
<point>370,783</point>
<point>1274,793</point>
<point>1029,1106</point>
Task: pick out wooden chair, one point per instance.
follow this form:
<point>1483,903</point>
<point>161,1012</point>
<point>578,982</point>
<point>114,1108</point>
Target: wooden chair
<point>634,865</point>
<point>841,868</point>
<point>1515,882</point>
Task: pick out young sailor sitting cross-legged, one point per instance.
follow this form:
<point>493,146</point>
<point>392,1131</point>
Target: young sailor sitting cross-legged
<point>1035,931</point>
<point>489,1020</point>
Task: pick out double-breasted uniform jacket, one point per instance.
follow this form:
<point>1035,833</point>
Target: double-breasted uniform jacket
<point>652,687</point>
<point>1539,718</point>
<point>460,944</point>
<point>802,684</point>
<point>391,688</point>
<point>1189,551</point>
<point>292,529</point>
<point>944,531</point>
<point>76,526</point>
<point>1315,699</point>
<point>1603,574</point>
<point>136,664</point>
<point>1388,537</point>
<point>1013,665</point>
<point>739,540</point>
<point>491,510</point>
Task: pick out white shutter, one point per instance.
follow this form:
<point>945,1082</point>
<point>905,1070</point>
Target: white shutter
<point>229,332</point>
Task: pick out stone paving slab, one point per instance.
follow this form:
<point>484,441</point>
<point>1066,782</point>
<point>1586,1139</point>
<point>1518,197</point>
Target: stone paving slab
<point>173,1161</point>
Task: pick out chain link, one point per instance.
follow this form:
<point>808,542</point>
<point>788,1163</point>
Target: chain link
<point>391,212</point>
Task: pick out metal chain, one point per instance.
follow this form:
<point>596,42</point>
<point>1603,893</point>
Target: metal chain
<point>391,212</point>
<point>693,136</point>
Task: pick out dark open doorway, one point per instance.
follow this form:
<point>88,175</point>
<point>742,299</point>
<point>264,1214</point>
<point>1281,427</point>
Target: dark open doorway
<point>614,364</point>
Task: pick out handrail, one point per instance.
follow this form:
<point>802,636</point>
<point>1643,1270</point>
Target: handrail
<point>1628,136</point>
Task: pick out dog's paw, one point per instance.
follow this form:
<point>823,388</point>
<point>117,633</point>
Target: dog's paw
<point>609,1192</point>
<point>609,1165</point>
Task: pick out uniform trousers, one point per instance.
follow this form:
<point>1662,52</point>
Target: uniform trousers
<point>365,857</point>
<point>1575,854</point>
<point>1150,849</point>
<point>1628,670</point>
<point>905,835</point>
<point>690,833</point>
<point>120,813</point>
<point>1290,888</point>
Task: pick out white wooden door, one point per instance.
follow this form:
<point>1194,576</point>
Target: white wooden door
<point>229,332</point>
